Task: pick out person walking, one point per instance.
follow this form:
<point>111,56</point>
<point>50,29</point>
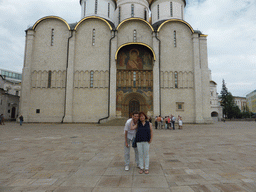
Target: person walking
<point>180,122</point>
<point>21,120</point>
<point>156,122</point>
<point>144,137</point>
<point>129,138</point>
<point>159,122</point>
<point>2,119</point>
<point>173,122</point>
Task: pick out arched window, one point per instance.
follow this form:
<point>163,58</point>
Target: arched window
<point>158,14</point>
<point>132,10</point>
<point>52,37</point>
<point>119,15</point>
<point>176,79</point>
<point>93,37</point>
<point>171,11</point>
<point>175,38</point>
<point>134,35</point>
<point>49,79</point>
<point>91,79</point>
<point>96,6</point>
<point>145,14</point>
<point>108,9</point>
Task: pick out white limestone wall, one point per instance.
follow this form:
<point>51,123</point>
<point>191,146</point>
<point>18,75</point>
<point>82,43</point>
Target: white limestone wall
<point>125,9</point>
<point>177,59</point>
<point>165,10</point>
<point>105,9</point>
<point>126,31</point>
<point>91,104</point>
<point>44,57</point>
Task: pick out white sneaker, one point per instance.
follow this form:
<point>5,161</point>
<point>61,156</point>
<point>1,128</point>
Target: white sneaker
<point>126,168</point>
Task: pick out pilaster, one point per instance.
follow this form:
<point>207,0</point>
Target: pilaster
<point>113,78</point>
<point>26,76</point>
<point>70,80</point>
<point>197,80</point>
<point>156,81</point>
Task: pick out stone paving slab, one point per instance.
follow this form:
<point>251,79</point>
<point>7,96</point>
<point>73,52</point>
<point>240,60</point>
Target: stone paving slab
<point>219,157</point>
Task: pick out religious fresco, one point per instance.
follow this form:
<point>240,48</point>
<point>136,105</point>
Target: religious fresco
<point>135,57</point>
<point>147,93</point>
<point>134,61</point>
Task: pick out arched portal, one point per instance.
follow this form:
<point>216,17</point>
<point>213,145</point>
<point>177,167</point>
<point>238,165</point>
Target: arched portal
<point>214,114</point>
<point>134,80</point>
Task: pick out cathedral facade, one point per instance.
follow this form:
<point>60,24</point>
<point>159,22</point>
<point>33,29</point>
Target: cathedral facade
<point>114,61</point>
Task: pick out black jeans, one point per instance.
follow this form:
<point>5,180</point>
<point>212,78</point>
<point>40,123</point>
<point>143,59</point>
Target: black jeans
<point>173,124</point>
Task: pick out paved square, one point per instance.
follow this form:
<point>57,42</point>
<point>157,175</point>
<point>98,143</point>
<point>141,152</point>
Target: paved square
<point>219,157</point>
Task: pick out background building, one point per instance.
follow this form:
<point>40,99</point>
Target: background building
<point>216,109</point>
<point>240,102</point>
<point>251,101</point>
<point>116,60</point>
<point>10,86</point>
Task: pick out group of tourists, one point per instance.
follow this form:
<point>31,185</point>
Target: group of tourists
<point>138,134</point>
<point>168,122</point>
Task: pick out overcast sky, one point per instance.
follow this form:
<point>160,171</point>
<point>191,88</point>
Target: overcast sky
<point>229,24</point>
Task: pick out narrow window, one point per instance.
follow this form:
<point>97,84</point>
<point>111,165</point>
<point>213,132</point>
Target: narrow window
<point>176,79</point>
<point>134,79</point>
<point>52,37</point>
<point>49,79</point>
<point>91,80</point>
<point>119,15</point>
<point>93,37</point>
<point>145,14</point>
<point>96,6</point>
<point>158,16</point>
<point>108,9</point>
<point>171,11</point>
<point>175,39</point>
<point>37,110</point>
<point>17,93</point>
<point>132,10</point>
<point>84,8</point>
<point>182,12</point>
<point>134,35</point>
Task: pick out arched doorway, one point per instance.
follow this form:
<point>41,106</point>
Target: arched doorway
<point>134,82</point>
<point>13,112</point>
<point>134,105</point>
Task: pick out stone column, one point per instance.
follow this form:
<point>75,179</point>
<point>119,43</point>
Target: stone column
<point>197,80</point>
<point>113,78</point>
<point>26,76</point>
<point>156,87</point>
<point>70,80</point>
<point>205,79</point>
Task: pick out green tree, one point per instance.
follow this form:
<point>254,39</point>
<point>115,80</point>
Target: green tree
<point>230,110</point>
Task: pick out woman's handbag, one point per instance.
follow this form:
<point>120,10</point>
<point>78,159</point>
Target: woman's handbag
<point>134,143</point>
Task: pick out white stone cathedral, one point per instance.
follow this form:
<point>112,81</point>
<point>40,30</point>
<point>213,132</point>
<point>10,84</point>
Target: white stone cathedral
<point>114,61</point>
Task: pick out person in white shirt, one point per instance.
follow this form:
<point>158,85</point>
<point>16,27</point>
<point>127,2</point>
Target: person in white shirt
<point>129,137</point>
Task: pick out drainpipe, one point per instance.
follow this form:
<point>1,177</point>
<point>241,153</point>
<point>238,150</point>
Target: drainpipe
<point>108,77</point>
<point>65,99</point>
<point>160,105</point>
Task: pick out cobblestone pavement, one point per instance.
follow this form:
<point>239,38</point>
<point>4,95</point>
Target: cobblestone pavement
<point>82,157</point>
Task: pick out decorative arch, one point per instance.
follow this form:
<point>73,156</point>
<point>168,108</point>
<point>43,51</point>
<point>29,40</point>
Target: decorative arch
<point>50,17</point>
<point>134,18</point>
<point>154,55</point>
<point>92,17</point>
<point>176,20</point>
<point>133,97</point>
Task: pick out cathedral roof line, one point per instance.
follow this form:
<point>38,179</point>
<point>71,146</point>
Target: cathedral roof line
<point>50,17</point>
<point>159,25</point>
<point>135,43</point>
<point>110,25</point>
<point>135,18</point>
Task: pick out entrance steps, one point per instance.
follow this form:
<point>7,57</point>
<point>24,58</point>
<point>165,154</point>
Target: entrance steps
<point>115,122</point>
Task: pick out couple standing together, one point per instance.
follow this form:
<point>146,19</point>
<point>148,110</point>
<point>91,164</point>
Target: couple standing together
<point>138,130</point>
